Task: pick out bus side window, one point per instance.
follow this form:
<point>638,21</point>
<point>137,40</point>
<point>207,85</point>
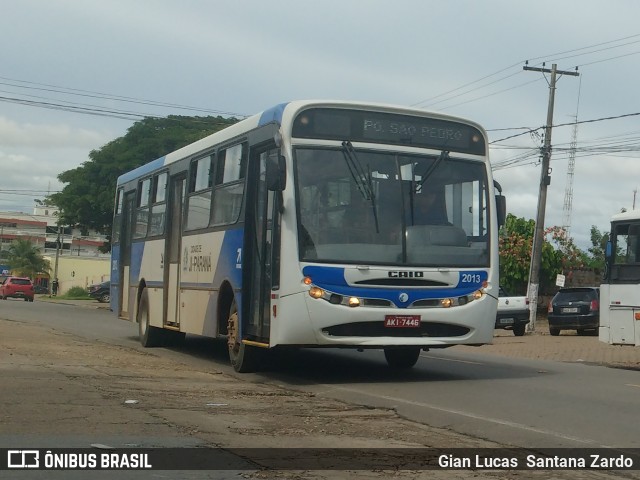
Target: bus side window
<point>199,198</point>
<point>142,212</point>
<point>158,204</point>
<point>229,189</point>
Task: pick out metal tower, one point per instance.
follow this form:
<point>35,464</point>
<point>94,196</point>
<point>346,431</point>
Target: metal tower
<point>568,190</point>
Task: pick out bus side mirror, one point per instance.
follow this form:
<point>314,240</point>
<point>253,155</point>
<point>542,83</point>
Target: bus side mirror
<point>276,173</point>
<point>608,249</point>
<point>501,204</point>
<point>501,209</point>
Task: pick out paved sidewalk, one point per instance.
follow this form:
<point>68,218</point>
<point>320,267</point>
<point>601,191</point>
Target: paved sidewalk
<point>567,347</point>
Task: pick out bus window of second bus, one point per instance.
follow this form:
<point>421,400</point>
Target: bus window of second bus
<point>627,244</point>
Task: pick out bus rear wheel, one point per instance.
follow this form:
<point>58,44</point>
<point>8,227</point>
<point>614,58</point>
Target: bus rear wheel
<point>244,358</point>
<point>401,357</point>
<point>149,336</point>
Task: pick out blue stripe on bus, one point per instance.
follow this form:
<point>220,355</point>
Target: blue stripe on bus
<point>229,265</point>
<point>274,114</point>
<point>115,264</point>
<point>332,279</point>
<point>137,251</point>
<point>141,171</point>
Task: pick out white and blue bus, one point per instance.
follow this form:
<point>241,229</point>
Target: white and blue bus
<point>620,288</point>
<point>314,224</point>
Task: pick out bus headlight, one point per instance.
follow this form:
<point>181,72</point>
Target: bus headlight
<point>316,292</point>
<point>354,302</point>
<point>446,302</point>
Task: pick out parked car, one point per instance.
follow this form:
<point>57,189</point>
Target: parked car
<point>576,308</point>
<point>513,313</point>
<point>17,287</point>
<point>101,292</point>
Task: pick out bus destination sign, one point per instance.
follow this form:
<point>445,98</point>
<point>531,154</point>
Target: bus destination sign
<point>419,132</point>
<point>390,128</point>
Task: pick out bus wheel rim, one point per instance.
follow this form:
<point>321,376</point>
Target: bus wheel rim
<point>232,328</point>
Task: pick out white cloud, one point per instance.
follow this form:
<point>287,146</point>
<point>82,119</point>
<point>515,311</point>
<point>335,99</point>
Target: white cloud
<point>30,135</point>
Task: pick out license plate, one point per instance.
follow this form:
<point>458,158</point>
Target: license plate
<point>19,293</point>
<point>570,310</point>
<point>506,321</point>
<point>402,321</point>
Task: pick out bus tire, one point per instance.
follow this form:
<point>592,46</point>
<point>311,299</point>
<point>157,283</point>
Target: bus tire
<point>149,336</point>
<point>243,358</point>
<point>401,357</point>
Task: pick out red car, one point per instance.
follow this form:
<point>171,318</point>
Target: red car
<point>17,287</point>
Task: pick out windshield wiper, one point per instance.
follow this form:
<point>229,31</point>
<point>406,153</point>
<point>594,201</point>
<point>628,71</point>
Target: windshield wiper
<point>444,155</point>
<point>361,177</point>
<point>415,186</point>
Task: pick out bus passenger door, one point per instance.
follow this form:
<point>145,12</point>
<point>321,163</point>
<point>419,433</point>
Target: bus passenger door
<point>172,251</point>
<point>262,233</point>
<point>125,253</point>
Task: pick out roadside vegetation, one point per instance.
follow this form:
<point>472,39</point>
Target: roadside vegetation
<point>26,260</point>
<point>560,255</point>
<point>75,293</point>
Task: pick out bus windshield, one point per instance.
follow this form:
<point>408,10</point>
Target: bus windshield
<point>360,206</point>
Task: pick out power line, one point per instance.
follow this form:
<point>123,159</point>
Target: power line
<point>614,117</point>
<point>108,96</point>
<point>426,103</point>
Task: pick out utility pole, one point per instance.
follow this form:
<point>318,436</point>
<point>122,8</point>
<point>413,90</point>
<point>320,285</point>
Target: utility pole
<point>545,180</point>
<point>54,290</point>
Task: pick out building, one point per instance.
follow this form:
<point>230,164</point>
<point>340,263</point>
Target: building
<point>75,249</point>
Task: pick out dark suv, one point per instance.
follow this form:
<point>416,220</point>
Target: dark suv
<point>576,308</point>
<point>17,287</point>
<point>101,292</point>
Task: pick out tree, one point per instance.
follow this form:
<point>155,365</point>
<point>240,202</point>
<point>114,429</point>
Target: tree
<point>569,256</point>
<point>87,198</point>
<point>26,260</point>
<point>515,245</point>
<point>598,247</point>
<point>515,253</point>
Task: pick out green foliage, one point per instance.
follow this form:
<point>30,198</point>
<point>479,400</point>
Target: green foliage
<point>75,293</point>
<point>25,260</point>
<point>597,250</point>
<point>559,254</point>
<point>88,196</point>
<point>516,237</point>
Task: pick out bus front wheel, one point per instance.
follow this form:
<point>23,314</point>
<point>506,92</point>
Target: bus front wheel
<point>401,357</point>
<point>244,358</point>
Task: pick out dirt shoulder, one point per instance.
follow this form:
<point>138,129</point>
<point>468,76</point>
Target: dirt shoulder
<point>79,392</point>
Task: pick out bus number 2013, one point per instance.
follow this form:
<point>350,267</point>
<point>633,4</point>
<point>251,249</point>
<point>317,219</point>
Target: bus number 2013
<point>471,278</point>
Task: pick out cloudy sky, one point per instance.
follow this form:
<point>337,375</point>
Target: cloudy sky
<point>76,74</point>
